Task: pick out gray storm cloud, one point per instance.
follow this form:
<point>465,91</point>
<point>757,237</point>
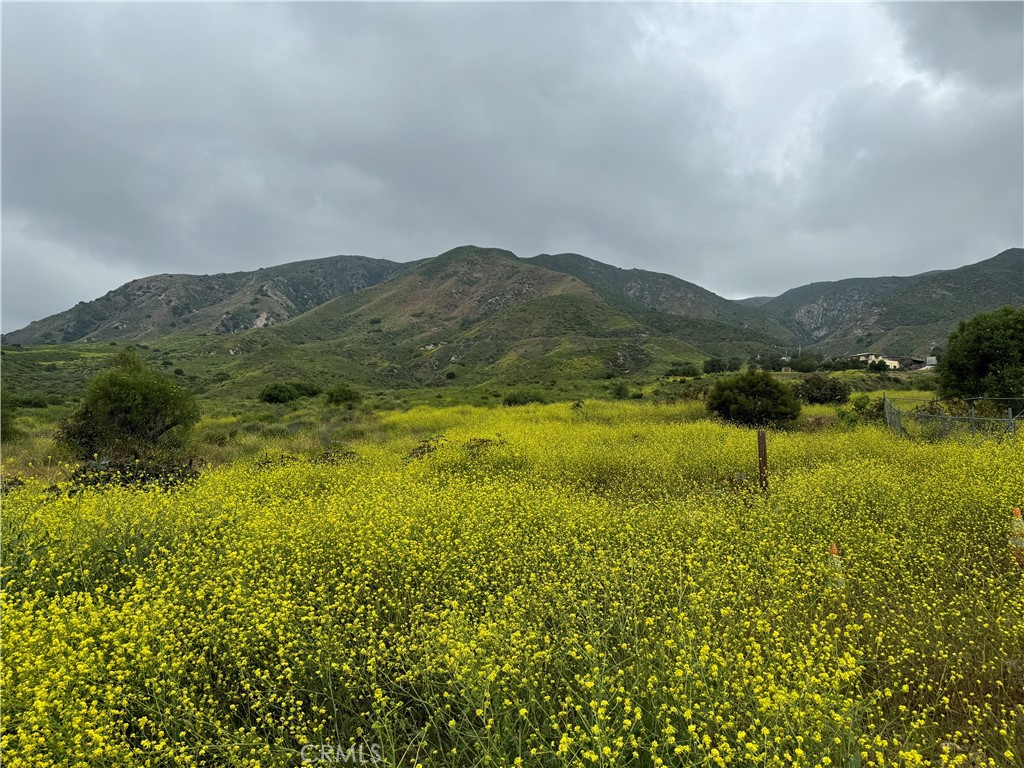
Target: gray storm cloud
<point>748,148</point>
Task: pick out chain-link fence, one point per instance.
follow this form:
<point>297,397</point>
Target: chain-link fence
<point>936,419</point>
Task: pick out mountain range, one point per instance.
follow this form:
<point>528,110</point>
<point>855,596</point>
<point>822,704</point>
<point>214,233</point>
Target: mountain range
<point>484,314</point>
<point>898,315</point>
<point>162,305</point>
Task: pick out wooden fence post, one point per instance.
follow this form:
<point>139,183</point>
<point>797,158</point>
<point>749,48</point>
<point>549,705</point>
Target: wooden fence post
<point>762,459</point>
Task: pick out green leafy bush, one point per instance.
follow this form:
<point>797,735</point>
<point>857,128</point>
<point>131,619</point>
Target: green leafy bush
<point>129,412</point>
<point>985,356</point>
<point>864,410</point>
<point>30,400</point>
<point>681,391</point>
<point>819,389</point>
<point>522,397</point>
<point>342,394</point>
<point>278,393</point>
<point>286,391</point>
<point>619,390</point>
<point>687,369</point>
<point>715,365</point>
<point>753,399</point>
<point>805,363</point>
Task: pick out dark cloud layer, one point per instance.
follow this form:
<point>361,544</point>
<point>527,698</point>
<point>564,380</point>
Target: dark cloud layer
<point>748,148</point>
<point>980,41</point>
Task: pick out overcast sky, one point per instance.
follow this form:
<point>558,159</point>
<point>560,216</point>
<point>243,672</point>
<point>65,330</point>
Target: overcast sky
<point>747,148</point>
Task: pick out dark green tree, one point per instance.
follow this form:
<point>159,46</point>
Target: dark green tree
<point>715,365</point>
<point>683,368</point>
<point>286,391</point>
<point>984,356</point>
<point>819,389</point>
<point>753,399</point>
<point>805,363</point>
<point>278,393</point>
<point>130,411</point>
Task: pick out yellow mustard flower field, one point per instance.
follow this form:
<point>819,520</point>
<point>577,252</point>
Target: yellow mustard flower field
<point>538,586</point>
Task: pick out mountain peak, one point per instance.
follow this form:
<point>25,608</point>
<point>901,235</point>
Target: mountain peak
<point>469,257</point>
<point>476,252</point>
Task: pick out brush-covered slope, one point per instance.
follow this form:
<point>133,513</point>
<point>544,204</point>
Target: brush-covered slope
<point>754,301</point>
<point>479,314</point>
<point>660,292</point>
<point>899,315</point>
<point>163,305</point>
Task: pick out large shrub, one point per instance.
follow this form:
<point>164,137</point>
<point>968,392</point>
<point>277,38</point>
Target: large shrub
<point>522,397</point>
<point>30,400</point>
<point>685,368</point>
<point>819,389</point>
<point>619,390</point>
<point>985,356</point>
<point>343,394</point>
<point>715,365</point>
<point>753,399</point>
<point>130,411</point>
<point>286,391</point>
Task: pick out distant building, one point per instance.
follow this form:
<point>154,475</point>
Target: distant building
<point>871,357</point>
<point>923,363</point>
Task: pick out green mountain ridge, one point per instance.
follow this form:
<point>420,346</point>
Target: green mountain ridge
<point>162,305</point>
<point>477,315</point>
<point>754,301</point>
<point>900,316</point>
<point>482,314</point>
<point>660,292</point>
